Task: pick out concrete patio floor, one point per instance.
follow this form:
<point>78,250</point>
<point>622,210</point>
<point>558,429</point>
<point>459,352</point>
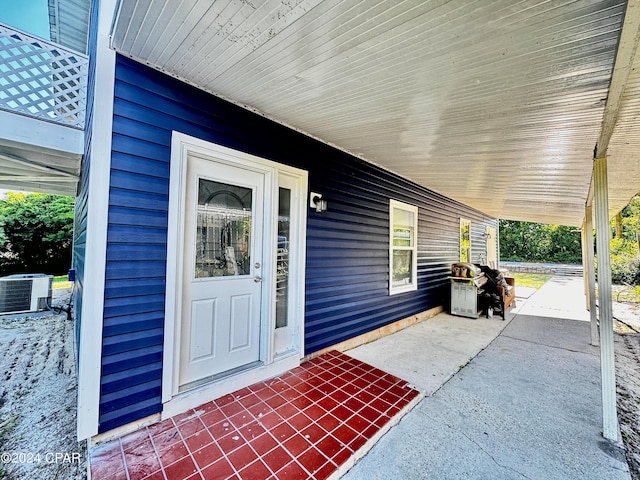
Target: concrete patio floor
<point>431,352</point>
<point>489,399</point>
<point>527,406</point>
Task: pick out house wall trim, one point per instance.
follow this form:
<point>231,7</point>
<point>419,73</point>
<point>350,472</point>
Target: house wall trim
<point>124,430</point>
<point>379,332</point>
<point>90,354</point>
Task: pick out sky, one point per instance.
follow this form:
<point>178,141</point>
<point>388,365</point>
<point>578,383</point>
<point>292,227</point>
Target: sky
<point>31,16</point>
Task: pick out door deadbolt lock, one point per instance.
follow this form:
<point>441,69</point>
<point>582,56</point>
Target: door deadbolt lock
<point>257,265</point>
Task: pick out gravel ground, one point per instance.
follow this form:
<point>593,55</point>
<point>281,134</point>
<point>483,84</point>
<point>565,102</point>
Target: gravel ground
<point>627,351</point>
<point>38,391</point>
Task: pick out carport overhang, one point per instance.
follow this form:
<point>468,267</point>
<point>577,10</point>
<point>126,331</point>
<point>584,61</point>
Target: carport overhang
<point>39,156</point>
<point>503,106</point>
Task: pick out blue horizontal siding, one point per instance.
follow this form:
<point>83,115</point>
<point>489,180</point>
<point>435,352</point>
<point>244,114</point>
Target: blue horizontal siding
<point>138,182</point>
<point>331,318</point>
<point>139,165</point>
<point>131,341</point>
<point>347,290</point>
<point>143,218</point>
<point>138,234</point>
<point>141,392</point>
<point>135,129</point>
<point>125,361</point>
<point>128,378</point>
<point>141,200</point>
<point>347,246</point>
<point>138,407</point>
<point>119,307</point>
<point>79,248</point>
<point>125,252</point>
<point>140,148</point>
<point>134,323</point>
<point>128,261</point>
<point>133,287</point>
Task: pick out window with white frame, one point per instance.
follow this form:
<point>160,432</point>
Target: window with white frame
<point>403,247</point>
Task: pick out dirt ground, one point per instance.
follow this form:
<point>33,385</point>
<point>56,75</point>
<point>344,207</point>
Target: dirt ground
<point>627,351</point>
<point>38,391</point>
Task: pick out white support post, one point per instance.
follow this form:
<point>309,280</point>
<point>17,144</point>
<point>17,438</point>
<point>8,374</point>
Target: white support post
<point>607,359</point>
<point>100,132</point>
<point>585,267</point>
<point>591,274</point>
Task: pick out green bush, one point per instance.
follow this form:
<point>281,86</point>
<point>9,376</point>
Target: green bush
<point>625,262</point>
<point>535,242</point>
<point>36,233</point>
<point>625,268</point>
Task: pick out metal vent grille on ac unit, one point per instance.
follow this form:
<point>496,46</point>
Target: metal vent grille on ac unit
<point>25,293</point>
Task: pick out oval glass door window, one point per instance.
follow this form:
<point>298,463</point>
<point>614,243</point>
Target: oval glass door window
<point>223,236</point>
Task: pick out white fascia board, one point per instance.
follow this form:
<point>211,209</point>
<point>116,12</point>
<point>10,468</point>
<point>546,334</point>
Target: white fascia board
<point>41,134</point>
<point>90,355</point>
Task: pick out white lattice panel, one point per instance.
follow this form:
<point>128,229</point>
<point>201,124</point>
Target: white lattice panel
<point>42,79</point>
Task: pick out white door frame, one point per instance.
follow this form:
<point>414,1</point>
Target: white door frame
<point>491,243</point>
<point>271,365</point>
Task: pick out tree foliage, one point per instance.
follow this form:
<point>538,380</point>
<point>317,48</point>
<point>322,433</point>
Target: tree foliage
<point>536,242</point>
<point>630,223</point>
<point>36,232</point>
<point>625,262</point>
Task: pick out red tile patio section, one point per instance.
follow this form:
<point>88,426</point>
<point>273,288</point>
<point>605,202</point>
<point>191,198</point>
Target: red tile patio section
<point>303,424</point>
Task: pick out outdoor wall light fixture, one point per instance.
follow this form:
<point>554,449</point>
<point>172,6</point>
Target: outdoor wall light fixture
<point>316,201</point>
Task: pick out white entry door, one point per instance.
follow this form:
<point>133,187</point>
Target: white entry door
<point>222,271</point>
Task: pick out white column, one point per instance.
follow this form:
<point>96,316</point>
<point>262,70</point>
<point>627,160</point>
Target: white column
<point>100,132</point>
<point>607,359</point>
<point>590,274</point>
<point>585,267</point>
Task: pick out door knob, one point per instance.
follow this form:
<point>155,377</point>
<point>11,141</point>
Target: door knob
<point>257,279</point>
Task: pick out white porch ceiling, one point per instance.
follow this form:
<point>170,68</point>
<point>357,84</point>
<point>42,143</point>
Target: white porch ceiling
<point>39,156</point>
<point>33,169</point>
<point>497,104</point>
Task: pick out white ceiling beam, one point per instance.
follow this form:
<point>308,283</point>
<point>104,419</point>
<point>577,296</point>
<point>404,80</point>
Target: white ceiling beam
<point>32,178</point>
<point>627,50</point>
<point>35,165</point>
<point>51,188</point>
<point>47,136</point>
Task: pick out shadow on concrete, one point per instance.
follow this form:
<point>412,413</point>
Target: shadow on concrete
<point>526,406</point>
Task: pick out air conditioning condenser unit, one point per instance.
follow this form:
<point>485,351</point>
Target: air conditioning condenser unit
<point>25,293</point>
